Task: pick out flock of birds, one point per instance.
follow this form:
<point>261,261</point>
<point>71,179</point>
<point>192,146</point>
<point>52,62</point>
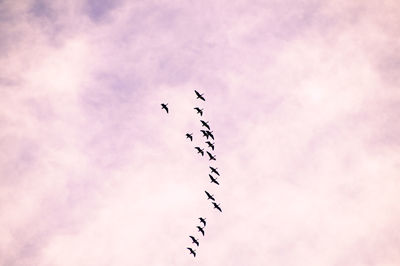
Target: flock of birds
<point>208,134</point>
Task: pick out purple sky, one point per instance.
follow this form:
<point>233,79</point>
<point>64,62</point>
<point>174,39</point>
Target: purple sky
<point>303,98</point>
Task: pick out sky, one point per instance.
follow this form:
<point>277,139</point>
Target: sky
<point>303,99</point>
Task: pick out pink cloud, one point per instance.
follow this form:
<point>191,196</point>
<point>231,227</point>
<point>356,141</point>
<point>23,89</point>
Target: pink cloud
<point>301,97</point>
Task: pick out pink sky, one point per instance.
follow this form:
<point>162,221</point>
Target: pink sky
<point>303,98</point>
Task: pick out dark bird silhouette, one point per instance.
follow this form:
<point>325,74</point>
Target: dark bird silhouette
<point>209,133</point>
<point>211,197</point>
<point>200,150</point>
<point>205,124</point>
<point>205,134</point>
<point>164,106</point>
<point>213,180</point>
<point>211,145</point>
<point>202,220</point>
<point>201,230</point>
<point>212,157</point>
<point>216,206</point>
<point>199,96</point>
<point>199,111</point>
<point>189,136</point>
<point>214,170</point>
<point>192,251</point>
<point>194,240</point>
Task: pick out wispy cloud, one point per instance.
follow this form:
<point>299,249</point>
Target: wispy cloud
<point>302,98</point>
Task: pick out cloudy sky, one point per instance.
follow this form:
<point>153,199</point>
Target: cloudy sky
<point>303,99</point>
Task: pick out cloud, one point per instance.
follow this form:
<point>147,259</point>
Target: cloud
<point>301,98</point>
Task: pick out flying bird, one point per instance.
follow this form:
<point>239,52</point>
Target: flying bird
<point>211,145</point>
<point>202,220</point>
<point>216,206</point>
<point>205,134</point>
<point>199,96</point>
<point>200,150</point>
<point>164,106</point>
<point>211,197</point>
<point>212,157</point>
<point>205,124</point>
<point>214,170</point>
<point>201,229</point>
<point>213,180</point>
<point>209,133</point>
<point>192,251</point>
<point>189,136</point>
<point>194,240</point>
<point>199,111</point>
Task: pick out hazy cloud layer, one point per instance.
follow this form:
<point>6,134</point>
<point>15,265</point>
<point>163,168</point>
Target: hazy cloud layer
<point>302,97</point>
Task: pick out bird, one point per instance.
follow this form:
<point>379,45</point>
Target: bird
<point>164,106</point>
<point>194,240</point>
<point>189,136</point>
<point>201,229</point>
<point>205,134</point>
<point>205,124</point>
<point>202,220</point>
<point>211,145</point>
<point>199,96</point>
<point>209,133</point>
<point>200,150</point>
<point>199,111</point>
<point>214,170</point>
<point>213,180</point>
<point>212,157</point>
<point>192,251</point>
<point>211,197</point>
<point>216,206</point>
